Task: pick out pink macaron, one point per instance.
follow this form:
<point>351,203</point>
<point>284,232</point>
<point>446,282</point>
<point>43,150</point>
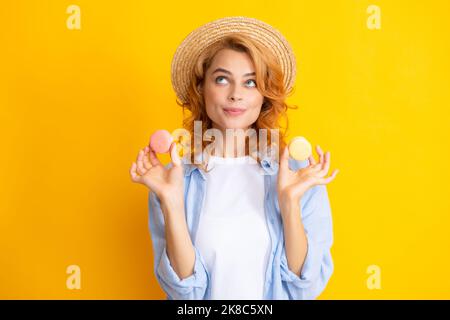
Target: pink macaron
<point>160,141</point>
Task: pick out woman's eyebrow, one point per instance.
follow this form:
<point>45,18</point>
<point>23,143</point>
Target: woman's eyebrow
<point>228,72</point>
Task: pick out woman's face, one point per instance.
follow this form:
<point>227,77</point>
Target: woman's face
<point>230,91</point>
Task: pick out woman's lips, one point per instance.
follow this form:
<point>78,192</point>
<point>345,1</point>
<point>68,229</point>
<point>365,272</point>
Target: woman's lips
<point>234,111</point>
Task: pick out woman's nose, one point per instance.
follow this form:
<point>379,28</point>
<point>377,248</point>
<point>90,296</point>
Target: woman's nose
<point>235,94</point>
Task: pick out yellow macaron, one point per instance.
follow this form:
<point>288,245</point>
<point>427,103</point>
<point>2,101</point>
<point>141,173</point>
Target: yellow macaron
<point>299,148</point>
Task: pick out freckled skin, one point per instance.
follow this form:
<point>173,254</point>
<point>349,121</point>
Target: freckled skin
<point>233,90</point>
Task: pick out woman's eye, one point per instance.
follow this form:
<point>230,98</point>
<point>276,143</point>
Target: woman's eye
<point>253,82</point>
<point>224,78</point>
<point>218,78</point>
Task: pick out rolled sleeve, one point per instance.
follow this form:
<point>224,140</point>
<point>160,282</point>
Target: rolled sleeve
<point>190,288</point>
<point>318,265</point>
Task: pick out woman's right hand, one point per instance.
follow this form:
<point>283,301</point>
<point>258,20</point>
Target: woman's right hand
<point>167,183</point>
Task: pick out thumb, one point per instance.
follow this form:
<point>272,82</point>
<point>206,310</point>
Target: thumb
<point>174,155</point>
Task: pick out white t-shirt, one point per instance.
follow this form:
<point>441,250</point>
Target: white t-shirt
<point>232,236</point>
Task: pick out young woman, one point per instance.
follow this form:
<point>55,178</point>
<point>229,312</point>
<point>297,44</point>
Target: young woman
<point>227,227</point>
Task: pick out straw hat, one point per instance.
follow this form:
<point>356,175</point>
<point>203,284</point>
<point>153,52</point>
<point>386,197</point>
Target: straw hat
<point>185,56</point>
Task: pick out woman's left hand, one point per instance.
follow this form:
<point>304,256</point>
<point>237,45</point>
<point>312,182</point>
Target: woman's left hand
<point>292,185</point>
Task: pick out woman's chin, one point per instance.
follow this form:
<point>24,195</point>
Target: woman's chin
<point>235,124</point>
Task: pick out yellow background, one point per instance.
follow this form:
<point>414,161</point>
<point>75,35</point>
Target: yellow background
<point>77,105</point>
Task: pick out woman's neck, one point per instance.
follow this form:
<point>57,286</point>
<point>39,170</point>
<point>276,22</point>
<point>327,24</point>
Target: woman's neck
<point>233,145</point>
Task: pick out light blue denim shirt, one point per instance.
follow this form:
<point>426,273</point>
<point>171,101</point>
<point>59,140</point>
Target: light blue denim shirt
<point>280,281</point>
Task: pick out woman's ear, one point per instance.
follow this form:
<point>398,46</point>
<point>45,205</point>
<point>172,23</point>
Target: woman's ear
<point>200,88</point>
